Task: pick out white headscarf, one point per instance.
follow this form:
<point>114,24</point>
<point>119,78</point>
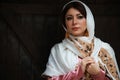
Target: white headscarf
<point>60,63</point>
<point>89,20</point>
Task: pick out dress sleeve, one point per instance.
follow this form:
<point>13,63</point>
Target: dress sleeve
<point>73,75</point>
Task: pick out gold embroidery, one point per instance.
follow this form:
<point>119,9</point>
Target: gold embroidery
<point>86,48</point>
<point>107,59</point>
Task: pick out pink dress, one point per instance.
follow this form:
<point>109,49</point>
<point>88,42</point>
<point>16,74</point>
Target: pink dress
<point>77,74</point>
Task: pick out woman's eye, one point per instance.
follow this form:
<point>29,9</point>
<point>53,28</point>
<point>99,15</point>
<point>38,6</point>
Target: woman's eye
<point>68,18</point>
<point>80,17</point>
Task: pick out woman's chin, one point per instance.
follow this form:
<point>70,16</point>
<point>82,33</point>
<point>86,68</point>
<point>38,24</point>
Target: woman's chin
<point>76,34</point>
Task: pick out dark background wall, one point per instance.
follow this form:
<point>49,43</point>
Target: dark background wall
<point>29,28</point>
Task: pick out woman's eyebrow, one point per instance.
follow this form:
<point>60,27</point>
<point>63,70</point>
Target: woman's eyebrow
<point>67,15</point>
<point>79,14</point>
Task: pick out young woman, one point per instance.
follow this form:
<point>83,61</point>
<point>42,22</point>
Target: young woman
<point>80,56</point>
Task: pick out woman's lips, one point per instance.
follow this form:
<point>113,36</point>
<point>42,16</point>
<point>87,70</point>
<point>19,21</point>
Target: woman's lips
<point>75,28</point>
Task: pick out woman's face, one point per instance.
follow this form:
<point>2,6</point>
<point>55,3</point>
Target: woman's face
<point>75,22</point>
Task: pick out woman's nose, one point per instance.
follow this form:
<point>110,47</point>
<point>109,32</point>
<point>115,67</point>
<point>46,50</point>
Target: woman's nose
<point>74,20</point>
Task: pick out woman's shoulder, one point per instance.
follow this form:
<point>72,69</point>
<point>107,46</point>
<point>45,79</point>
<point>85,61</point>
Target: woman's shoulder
<point>61,44</point>
<point>105,45</point>
<point>58,46</point>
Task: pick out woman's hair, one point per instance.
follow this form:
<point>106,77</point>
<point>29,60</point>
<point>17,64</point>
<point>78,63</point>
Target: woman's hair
<point>75,5</point>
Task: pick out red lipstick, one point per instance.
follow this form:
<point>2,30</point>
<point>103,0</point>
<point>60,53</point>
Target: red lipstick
<point>75,28</point>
